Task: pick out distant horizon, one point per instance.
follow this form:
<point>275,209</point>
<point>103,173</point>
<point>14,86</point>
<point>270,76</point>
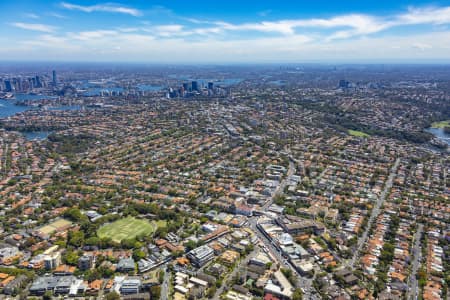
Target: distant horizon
<point>237,63</point>
<point>206,32</point>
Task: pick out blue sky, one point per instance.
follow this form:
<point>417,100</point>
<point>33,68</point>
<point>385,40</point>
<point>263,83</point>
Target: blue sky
<point>226,31</point>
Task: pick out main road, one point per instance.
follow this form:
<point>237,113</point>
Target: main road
<point>165,284</point>
<point>280,188</point>
<point>303,282</point>
<point>375,211</point>
<point>413,290</point>
<point>269,247</point>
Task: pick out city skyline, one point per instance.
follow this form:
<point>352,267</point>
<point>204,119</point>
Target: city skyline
<point>207,32</point>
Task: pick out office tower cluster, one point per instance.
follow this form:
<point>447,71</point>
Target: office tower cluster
<point>27,84</point>
<point>196,88</point>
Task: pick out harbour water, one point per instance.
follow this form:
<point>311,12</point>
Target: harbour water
<point>22,97</point>
<point>98,91</point>
<point>204,81</point>
<point>149,88</point>
<point>9,108</point>
<point>440,134</point>
<point>36,135</point>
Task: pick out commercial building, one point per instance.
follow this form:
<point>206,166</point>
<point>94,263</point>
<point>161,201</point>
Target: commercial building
<point>280,286</point>
<point>296,226</point>
<point>86,262</point>
<point>131,285</point>
<point>53,260</point>
<point>195,86</point>
<point>201,255</point>
<point>61,285</point>
<point>54,79</point>
<point>126,265</point>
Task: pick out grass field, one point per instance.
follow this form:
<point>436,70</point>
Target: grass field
<point>441,124</point>
<point>357,133</point>
<point>128,228</point>
<point>59,224</point>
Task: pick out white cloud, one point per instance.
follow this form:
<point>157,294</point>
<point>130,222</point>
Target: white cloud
<point>347,25</point>
<point>422,46</point>
<point>177,30</point>
<point>197,21</point>
<point>168,30</point>
<point>47,39</point>
<point>357,24</point>
<point>274,27</point>
<point>56,15</point>
<point>103,8</point>
<point>207,31</point>
<point>430,15</point>
<point>265,13</point>
<point>345,37</point>
<point>34,26</point>
<point>102,46</point>
<point>31,16</point>
<point>128,29</point>
<point>93,35</point>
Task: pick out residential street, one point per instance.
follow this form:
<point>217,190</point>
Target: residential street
<point>375,211</point>
<point>226,281</point>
